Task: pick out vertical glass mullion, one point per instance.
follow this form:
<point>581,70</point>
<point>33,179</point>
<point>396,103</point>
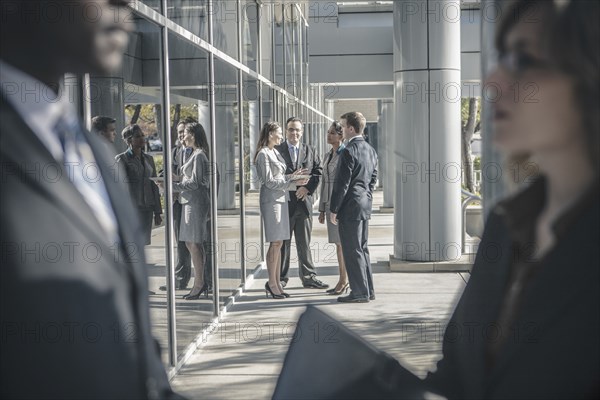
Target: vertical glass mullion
<point>167,167</point>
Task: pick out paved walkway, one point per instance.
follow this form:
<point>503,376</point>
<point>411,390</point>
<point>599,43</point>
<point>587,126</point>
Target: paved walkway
<point>243,357</point>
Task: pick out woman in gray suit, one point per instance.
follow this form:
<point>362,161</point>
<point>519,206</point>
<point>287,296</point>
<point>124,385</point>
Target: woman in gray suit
<point>194,196</point>
<point>330,161</point>
<point>270,167</point>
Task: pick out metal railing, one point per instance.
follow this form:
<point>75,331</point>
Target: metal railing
<point>470,197</point>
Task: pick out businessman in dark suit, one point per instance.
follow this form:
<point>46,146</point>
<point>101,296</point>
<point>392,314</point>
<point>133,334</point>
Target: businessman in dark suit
<point>350,206</point>
<point>73,286</point>
<point>298,155</point>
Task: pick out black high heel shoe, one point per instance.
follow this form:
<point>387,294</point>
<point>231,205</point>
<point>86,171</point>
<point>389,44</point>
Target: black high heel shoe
<point>269,291</point>
<point>343,289</point>
<point>203,289</point>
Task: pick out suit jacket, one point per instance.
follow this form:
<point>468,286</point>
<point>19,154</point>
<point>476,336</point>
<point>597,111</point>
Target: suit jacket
<point>194,188</point>
<point>143,190</point>
<point>352,194</point>
<point>270,169</point>
<point>309,159</point>
<point>74,308</point>
<point>553,348</point>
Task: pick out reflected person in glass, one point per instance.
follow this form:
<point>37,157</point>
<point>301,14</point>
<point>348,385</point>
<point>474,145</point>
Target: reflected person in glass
<point>139,168</point>
<point>274,194</point>
<point>194,195</point>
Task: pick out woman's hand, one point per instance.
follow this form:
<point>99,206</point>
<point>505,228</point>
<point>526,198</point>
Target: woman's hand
<point>322,217</point>
<point>300,176</point>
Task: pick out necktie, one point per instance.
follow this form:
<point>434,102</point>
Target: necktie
<point>294,154</point>
<point>84,173</point>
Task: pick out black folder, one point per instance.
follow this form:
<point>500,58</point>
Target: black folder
<point>326,360</point>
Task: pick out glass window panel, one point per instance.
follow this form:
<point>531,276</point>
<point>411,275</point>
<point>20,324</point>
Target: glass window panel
<point>188,80</point>
<point>249,21</point>
<point>266,27</point>
<point>190,14</point>
<point>154,4</point>
<point>267,105</point>
<point>133,96</point>
<point>225,26</point>
<point>228,204</point>
<point>278,54</point>
<point>251,130</point>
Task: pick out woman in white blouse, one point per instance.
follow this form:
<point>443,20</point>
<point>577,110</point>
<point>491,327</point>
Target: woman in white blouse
<point>275,185</point>
<point>330,162</point>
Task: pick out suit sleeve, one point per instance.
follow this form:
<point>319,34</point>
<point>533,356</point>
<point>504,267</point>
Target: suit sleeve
<point>200,175</point>
<point>265,175</point>
<point>316,171</point>
<point>373,181</point>
<point>342,180</point>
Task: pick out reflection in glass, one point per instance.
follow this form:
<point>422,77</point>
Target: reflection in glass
<point>132,96</point>
<point>266,32</point>
<point>225,35</point>
<point>188,79</point>
<point>251,131</point>
<point>227,160</point>
<point>190,14</point>
<point>249,13</point>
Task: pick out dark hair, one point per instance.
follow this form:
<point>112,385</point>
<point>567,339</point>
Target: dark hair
<point>187,120</point>
<point>129,131</point>
<point>337,127</point>
<point>100,123</point>
<point>570,36</point>
<point>263,139</point>
<point>355,120</point>
<point>199,135</point>
<point>293,119</point>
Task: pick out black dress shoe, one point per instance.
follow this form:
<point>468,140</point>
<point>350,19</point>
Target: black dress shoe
<point>352,299</point>
<point>372,296</point>
<point>314,283</point>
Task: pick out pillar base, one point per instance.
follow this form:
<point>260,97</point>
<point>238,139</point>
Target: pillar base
<point>463,264</point>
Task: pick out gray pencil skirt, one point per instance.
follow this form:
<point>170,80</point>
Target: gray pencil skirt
<point>333,233</point>
<point>276,220</point>
<point>193,223</point>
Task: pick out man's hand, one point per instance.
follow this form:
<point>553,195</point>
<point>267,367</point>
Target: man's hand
<point>301,193</point>
<point>333,218</point>
<point>157,219</point>
<point>322,217</point>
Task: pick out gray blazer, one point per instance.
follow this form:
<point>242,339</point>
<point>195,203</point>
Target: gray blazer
<point>195,184</point>
<point>270,168</point>
<point>330,162</point>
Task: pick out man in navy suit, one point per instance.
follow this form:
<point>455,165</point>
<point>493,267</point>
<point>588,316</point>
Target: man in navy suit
<point>351,203</point>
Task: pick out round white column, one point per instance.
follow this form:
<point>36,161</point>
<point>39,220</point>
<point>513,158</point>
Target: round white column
<point>386,162</point>
<point>427,156</point>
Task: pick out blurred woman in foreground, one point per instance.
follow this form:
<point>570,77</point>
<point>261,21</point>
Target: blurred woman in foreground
<point>527,325</point>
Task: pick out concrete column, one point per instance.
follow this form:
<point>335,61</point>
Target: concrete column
<point>427,220</point>
<point>387,158</point>
<point>225,151</point>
